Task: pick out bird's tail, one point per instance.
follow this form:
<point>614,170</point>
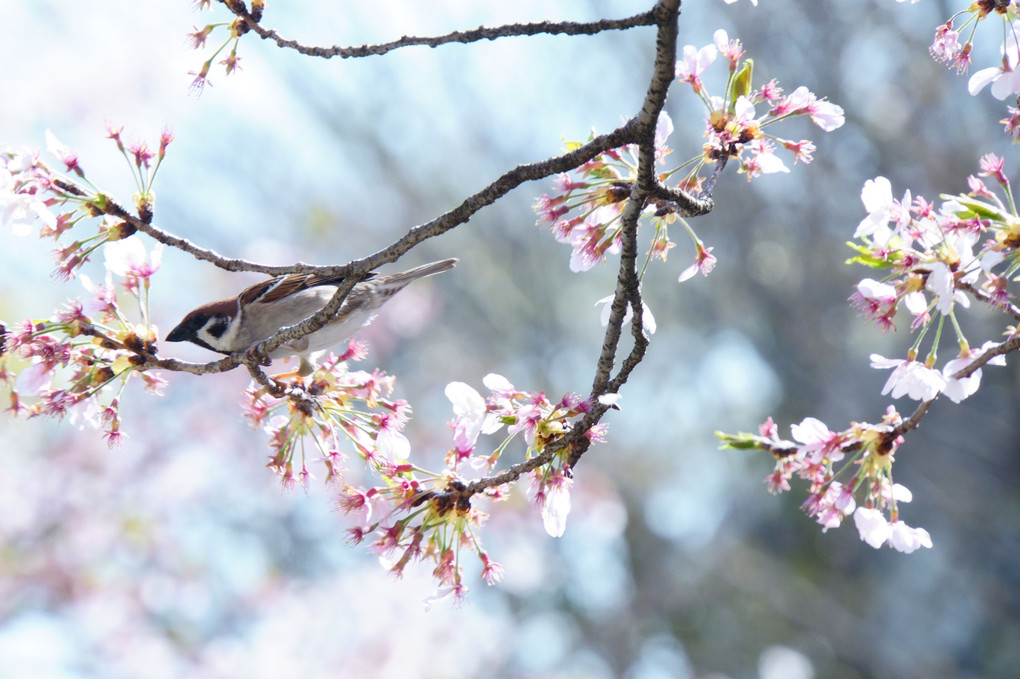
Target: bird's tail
<point>406,277</point>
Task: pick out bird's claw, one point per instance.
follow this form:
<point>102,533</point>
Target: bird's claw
<point>251,355</point>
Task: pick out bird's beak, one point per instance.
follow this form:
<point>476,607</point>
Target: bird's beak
<point>178,334</point>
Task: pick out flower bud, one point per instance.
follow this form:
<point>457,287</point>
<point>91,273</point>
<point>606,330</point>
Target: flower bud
<point>144,202</point>
<point>122,364</point>
<point>102,375</point>
<point>120,230</point>
<point>238,27</point>
<point>742,81</point>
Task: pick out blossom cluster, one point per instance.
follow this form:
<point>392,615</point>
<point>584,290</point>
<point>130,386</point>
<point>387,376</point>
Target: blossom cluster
<point>336,409</point>
<point>587,207</point>
<point>234,29</point>
<point>1004,79</point>
<point>938,258</point>
<point>32,193</point>
<point>848,473</point>
<point>734,128</point>
<point>405,512</point>
<point>78,362</point>
<point>538,420</point>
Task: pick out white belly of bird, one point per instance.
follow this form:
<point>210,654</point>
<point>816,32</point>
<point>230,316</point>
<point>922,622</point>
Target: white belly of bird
<point>326,337</point>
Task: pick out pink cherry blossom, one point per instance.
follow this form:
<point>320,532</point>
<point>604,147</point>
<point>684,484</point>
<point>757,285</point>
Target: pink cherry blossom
<point>492,572</point>
<point>35,378</point>
<point>68,157</point>
<point>528,418</point>
<point>693,64</point>
<point>830,507</point>
<point>1005,78</point>
<point>905,539</point>
<point>824,114</point>
<point>731,49</point>
<point>104,296</point>
<point>941,283</point>
<point>946,45</point>
<point>663,128</point>
<point>871,289</point>
<point>882,208</point>
<point>959,389</point>
<point>877,301</point>
<point>704,263</point>
<point>827,115</point>
<point>556,505</point>
<point>19,210</point>
<point>468,411</point>
<point>128,257</point>
<point>818,442</point>
<point>392,444</point>
<point>762,159</point>
<point>909,378</point>
<point>872,526</point>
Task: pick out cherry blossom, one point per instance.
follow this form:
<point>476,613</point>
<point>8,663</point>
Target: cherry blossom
<point>882,208</point>
<point>731,49</point>
<point>872,526</point>
<point>128,257</point>
<point>946,46</point>
<point>905,539</point>
<point>469,415</point>
<point>909,378</point>
<point>958,389</point>
<point>818,442</point>
<point>704,262</point>
<point>693,63</point>
<point>555,504</point>
<point>68,157</point>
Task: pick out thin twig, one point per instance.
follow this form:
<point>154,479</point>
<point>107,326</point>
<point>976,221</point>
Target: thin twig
<point>983,296</point>
<point>113,209</point>
<point>461,37</point>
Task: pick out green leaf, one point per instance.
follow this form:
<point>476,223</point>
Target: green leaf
<point>976,208</point>
<point>742,81</point>
<point>739,441</point>
<point>868,259</point>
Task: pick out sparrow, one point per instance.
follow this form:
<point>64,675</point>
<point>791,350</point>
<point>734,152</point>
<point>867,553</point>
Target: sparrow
<point>237,323</point>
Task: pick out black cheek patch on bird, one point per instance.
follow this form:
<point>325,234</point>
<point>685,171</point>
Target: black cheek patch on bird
<point>218,326</point>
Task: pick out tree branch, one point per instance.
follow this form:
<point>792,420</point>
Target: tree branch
<point>642,129</point>
<point>639,131</point>
<point>781,449</point>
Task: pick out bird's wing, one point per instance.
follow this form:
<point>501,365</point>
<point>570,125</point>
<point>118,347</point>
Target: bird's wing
<point>279,287</point>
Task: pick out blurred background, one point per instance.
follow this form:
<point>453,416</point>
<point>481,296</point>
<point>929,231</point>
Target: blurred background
<point>179,555</point>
